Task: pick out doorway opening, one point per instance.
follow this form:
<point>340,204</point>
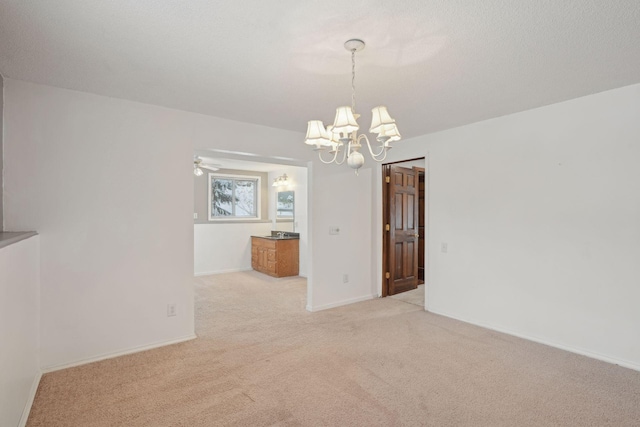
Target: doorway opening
<point>237,197</point>
<point>403,219</point>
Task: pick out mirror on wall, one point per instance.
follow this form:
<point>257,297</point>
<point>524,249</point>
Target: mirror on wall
<point>285,209</point>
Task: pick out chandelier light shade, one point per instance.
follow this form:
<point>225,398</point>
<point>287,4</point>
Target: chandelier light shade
<point>344,121</point>
<point>316,134</point>
<point>380,117</point>
<point>341,140</point>
<point>391,132</point>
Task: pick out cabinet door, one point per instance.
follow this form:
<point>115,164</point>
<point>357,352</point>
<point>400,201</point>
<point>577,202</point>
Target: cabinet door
<point>272,261</point>
<point>287,258</point>
<point>254,256</point>
<point>264,258</point>
<point>272,267</point>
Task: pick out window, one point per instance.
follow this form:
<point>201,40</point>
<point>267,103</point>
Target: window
<point>284,205</point>
<point>234,197</point>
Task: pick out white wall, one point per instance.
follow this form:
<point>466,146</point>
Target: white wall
<point>223,248</point>
<point>298,183</point>
<point>19,328</point>
<point>540,212</point>
<point>1,144</point>
<point>109,188</point>
<point>104,188</point>
<point>341,199</point>
<point>108,184</point>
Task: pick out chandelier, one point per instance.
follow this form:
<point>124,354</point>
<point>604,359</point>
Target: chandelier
<point>341,140</point>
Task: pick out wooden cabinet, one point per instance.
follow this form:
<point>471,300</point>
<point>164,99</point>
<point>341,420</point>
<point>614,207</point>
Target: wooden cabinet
<point>275,257</point>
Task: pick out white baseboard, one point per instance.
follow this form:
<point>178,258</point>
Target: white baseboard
<point>211,273</point>
<point>232,270</point>
<point>117,354</point>
<point>341,303</point>
<point>571,349</point>
<point>32,395</point>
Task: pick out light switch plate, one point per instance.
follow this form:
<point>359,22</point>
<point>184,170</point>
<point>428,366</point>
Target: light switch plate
<point>334,230</point>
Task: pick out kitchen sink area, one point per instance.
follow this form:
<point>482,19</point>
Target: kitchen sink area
<point>276,254</point>
<point>281,235</point>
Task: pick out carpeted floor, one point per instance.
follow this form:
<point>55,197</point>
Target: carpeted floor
<point>414,296</point>
<point>262,360</point>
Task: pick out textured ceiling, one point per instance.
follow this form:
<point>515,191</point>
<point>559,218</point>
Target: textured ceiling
<point>435,64</point>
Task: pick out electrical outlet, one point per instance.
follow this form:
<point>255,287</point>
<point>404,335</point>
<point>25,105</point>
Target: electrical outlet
<point>195,215</point>
<point>345,278</point>
<point>444,247</point>
<point>171,310</point>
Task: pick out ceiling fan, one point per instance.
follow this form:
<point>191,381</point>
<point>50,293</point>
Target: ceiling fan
<point>198,165</point>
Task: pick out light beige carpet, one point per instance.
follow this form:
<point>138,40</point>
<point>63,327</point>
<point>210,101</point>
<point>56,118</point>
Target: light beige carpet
<point>414,296</point>
<point>261,360</point>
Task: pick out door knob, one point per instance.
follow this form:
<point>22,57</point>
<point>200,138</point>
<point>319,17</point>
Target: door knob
<point>416,235</point>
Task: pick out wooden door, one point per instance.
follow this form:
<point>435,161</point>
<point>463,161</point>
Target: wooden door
<point>403,223</point>
<point>421,229</point>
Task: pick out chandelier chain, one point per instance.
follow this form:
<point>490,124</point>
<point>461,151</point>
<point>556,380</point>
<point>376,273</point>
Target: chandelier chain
<point>353,80</point>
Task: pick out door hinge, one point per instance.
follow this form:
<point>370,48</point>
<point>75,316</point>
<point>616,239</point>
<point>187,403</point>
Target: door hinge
<point>387,227</point>
<point>387,275</point>
<point>387,179</point>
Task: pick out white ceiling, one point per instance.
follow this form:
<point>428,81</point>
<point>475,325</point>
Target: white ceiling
<point>436,64</point>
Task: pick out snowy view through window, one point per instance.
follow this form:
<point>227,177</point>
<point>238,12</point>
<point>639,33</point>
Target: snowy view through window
<point>233,197</point>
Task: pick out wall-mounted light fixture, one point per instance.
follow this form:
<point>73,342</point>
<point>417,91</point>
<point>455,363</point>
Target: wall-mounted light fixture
<point>281,181</point>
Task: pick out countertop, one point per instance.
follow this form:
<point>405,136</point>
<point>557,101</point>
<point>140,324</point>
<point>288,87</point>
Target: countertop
<point>278,238</point>
<point>287,236</point>
<point>10,237</point>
